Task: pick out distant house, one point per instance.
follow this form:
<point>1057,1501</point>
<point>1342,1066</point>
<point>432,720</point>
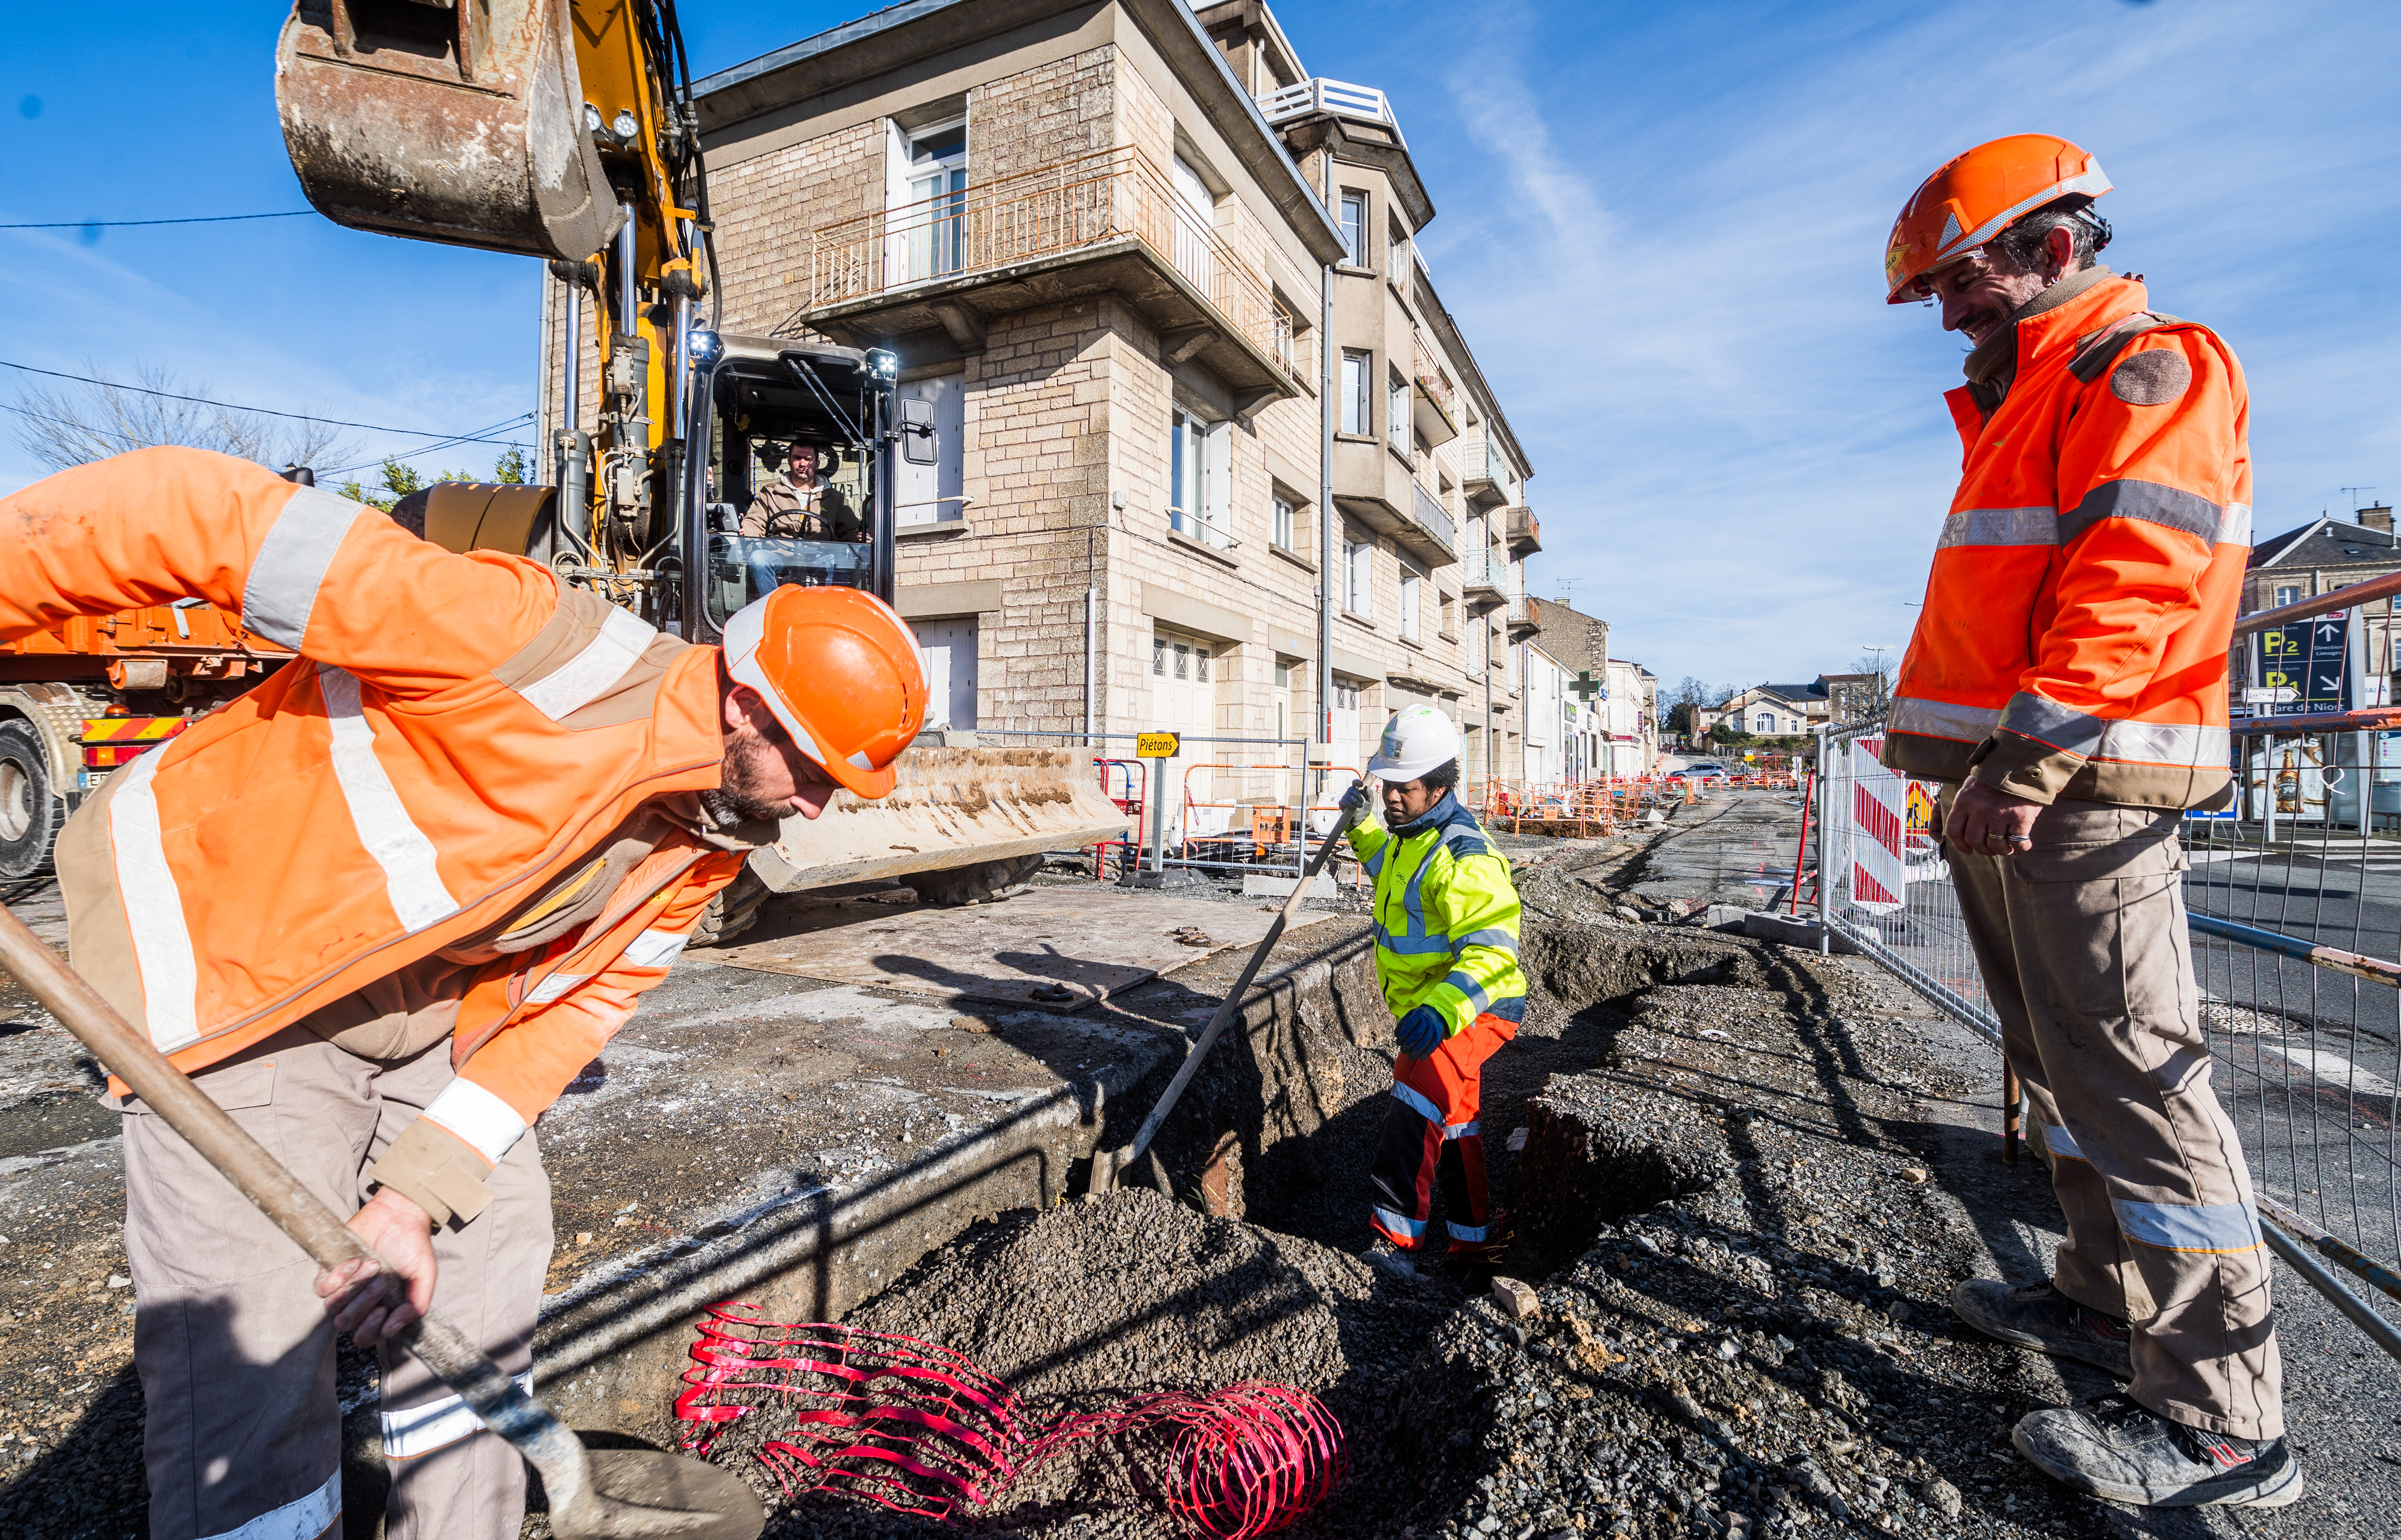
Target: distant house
<point>1770,711</point>
<point>2321,557</point>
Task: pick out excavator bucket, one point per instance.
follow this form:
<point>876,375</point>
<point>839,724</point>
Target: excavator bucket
<point>952,807</point>
<point>453,120</point>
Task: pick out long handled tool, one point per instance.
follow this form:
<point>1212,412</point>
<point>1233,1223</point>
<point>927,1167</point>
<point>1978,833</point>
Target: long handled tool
<point>595,1495</point>
<point>1104,1171</point>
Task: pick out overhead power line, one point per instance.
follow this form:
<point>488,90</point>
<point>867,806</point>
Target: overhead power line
<point>262,411</point>
<point>128,223</point>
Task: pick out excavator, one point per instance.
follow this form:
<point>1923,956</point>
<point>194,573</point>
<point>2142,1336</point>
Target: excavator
<point>566,131</point>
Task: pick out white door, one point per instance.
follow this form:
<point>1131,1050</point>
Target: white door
<point>1184,674</point>
<point>926,490</point>
<point>1194,223</point>
<point>949,649</point>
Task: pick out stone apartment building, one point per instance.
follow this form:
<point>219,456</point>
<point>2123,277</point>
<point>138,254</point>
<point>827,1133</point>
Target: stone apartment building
<point>1613,728</point>
<point>2326,555</point>
<point>1107,242</point>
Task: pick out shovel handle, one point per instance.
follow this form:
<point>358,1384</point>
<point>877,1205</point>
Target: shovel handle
<point>1226,1009</point>
<point>449,1352</point>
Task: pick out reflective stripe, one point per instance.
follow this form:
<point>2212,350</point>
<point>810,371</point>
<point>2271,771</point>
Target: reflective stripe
<point>2048,722</point>
<point>2000,527</point>
<point>1469,1232</point>
<point>1941,719</point>
<point>1416,1102</point>
<point>553,987</point>
<point>1491,935</point>
<point>588,675</point>
<point>2060,1142</point>
<point>2119,742</point>
<point>154,909</point>
<point>2236,530</point>
<point>1478,996</point>
<point>1375,863</point>
<point>291,563</point>
<point>2190,1227</point>
<point>1407,946</point>
<point>477,1116</point>
<point>2148,501</point>
<point>655,948</point>
<point>410,878</point>
<point>302,1518</point>
<point>416,1431</point>
<point>1413,1229</point>
<point>2164,744</point>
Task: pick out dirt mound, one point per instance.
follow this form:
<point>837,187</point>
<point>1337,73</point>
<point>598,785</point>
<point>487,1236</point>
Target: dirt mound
<point>1087,1304</point>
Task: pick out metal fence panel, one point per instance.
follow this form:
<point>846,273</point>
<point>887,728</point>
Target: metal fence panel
<point>2294,897</point>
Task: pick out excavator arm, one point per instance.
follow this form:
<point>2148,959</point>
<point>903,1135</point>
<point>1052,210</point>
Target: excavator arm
<point>561,129</point>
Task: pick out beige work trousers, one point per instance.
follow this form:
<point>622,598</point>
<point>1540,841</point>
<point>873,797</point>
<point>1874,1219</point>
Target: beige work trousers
<point>235,1350</point>
<point>2085,952</point>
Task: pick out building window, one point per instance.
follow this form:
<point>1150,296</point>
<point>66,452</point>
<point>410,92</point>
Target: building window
<point>1283,673</point>
<point>1409,602</point>
<point>1358,571</point>
<point>1196,478</point>
<point>1282,523</point>
<point>927,234</point>
<point>2287,593</point>
<point>1158,655</point>
<point>1354,228</point>
<point>1766,722</point>
<point>1396,415</point>
<point>1355,367</point>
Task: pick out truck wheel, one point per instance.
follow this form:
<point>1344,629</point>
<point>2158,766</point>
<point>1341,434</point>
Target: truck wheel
<point>733,910</point>
<point>31,812</point>
<point>985,882</point>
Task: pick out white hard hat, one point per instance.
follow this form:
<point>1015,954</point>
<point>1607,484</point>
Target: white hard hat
<point>1417,738</point>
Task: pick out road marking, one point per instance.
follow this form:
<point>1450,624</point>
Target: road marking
<point>2337,1072</point>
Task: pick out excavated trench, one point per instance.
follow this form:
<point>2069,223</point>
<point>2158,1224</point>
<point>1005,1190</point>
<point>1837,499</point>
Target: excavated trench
<point>1247,1267</point>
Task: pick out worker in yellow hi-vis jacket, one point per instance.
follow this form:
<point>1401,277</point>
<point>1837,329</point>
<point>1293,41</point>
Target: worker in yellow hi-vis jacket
<point>1447,959</point>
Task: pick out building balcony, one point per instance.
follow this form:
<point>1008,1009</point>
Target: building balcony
<point>1525,616</point>
<point>1480,588</point>
<point>1107,220</point>
<point>1338,98</point>
<point>1487,485</point>
<point>1433,400</point>
<point>1524,533</point>
<point>1373,484</point>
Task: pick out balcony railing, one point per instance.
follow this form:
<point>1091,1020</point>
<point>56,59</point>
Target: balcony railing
<point>1104,196</point>
<point>1321,95</point>
<point>1430,379</point>
<point>1524,532</point>
<point>1435,519</point>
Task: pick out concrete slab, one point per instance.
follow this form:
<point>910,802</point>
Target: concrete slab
<point>1053,949</point>
<point>1260,885</point>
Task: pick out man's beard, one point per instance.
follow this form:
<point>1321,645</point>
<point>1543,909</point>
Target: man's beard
<point>737,799</point>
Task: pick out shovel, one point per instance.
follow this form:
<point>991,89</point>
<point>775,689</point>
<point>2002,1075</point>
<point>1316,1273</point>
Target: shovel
<point>1106,1169</point>
<point>595,1495</point>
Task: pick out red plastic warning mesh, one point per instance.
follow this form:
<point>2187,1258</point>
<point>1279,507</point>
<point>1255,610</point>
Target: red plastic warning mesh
<point>920,1429</point>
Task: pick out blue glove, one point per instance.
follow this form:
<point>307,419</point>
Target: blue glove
<point>1421,1032</point>
<point>1355,799</point>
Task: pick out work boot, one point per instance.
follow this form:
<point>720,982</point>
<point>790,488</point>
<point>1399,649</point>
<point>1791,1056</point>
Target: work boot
<point>2115,1447</point>
<point>2039,1316</point>
<point>1390,1261</point>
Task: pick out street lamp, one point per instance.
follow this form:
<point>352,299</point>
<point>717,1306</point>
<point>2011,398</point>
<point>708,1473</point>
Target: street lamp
<point>1879,649</point>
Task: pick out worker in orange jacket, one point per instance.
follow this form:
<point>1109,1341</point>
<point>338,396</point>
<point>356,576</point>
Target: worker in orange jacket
<point>383,908</point>
<point>2067,684</point>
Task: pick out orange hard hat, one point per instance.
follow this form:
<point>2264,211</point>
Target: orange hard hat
<point>842,672</point>
<point>1977,196</point>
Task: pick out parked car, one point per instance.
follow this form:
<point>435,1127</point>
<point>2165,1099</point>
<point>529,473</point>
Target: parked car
<point>1701,770</point>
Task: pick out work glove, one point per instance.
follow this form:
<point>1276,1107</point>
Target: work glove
<point>1421,1032</point>
<point>1357,798</point>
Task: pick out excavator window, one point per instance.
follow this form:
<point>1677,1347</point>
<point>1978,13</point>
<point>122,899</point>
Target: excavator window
<point>790,494</point>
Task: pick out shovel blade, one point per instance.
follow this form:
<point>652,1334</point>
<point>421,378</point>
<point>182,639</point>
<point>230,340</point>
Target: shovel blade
<point>648,1495</point>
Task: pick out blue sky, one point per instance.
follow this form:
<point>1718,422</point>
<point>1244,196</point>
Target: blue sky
<point>1660,226</point>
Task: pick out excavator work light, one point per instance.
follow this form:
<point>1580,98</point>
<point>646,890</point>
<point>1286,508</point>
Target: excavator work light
<point>883,363</point>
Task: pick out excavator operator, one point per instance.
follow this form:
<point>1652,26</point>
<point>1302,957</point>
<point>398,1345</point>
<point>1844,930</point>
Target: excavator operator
<point>383,909</point>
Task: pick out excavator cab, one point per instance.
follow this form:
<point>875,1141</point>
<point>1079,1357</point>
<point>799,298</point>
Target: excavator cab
<point>791,477</point>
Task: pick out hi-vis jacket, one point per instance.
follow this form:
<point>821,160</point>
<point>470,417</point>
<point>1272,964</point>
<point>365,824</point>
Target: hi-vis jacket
<point>2073,641</point>
<point>473,794</point>
<point>1446,918</point>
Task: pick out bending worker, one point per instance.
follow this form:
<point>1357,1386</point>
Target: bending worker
<point>382,909</point>
<point>1446,960</point>
<point>2067,686</point>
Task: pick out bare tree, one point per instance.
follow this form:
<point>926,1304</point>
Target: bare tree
<point>63,425</point>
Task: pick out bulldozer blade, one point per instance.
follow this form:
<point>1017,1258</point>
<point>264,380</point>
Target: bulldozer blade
<point>952,807</point>
<point>459,123</point>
